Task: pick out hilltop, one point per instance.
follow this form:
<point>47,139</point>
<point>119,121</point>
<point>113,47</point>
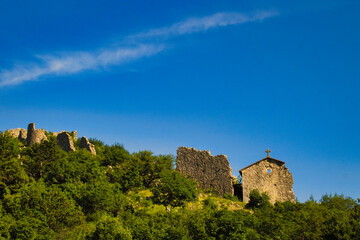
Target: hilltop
<point>47,192</point>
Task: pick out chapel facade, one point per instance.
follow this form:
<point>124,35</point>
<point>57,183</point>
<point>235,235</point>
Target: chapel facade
<point>268,175</point>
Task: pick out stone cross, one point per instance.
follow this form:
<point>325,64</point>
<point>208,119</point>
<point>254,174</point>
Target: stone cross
<point>268,152</point>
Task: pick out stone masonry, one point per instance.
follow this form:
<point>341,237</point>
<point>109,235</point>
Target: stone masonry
<point>210,172</point>
<point>268,175</point>
<point>65,141</point>
<point>18,133</point>
<point>35,136</point>
<point>84,143</point>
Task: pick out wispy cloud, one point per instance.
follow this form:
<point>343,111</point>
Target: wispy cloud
<point>193,25</point>
<point>74,62</point>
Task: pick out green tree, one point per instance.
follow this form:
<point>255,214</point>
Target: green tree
<point>115,155</point>
<point>151,167</point>
<point>174,190</point>
<point>109,228</point>
<point>12,175</point>
<point>258,200</point>
<point>36,157</point>
<point>47,204</point>
<point>31,228</point>
<point>9,147</point>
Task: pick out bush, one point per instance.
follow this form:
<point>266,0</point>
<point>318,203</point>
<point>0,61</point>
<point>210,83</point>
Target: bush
<point>109,228</point>
<point>258,200</point>
<point>174,190</point>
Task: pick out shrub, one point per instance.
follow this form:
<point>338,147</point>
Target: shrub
<point>174,189</point>
<point>258,200</point>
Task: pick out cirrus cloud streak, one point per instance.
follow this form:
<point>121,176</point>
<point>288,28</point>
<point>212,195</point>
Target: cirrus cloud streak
<point>75,62</point>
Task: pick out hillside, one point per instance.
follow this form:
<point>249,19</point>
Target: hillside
<point>49,193</point>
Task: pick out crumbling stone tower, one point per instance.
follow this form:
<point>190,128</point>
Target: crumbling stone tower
<point>34,136</point>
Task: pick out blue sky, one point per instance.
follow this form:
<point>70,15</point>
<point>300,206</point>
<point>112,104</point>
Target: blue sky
<point>232,77</point>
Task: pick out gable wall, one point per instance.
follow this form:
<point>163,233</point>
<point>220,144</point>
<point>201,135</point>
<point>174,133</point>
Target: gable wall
<point>278,183</point>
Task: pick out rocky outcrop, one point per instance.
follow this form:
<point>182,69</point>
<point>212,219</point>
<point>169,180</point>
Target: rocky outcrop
<point>211,172</point>
<point>65,141</point>
<point>35,135</point>
<point>18,133</point>
<point>84,143</point>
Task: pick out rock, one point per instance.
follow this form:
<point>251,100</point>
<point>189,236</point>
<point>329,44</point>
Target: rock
<point>211,172</point>
<point>19,133</point>
<point>35,136</point>
<point>65,141</point>
<point>84,143</point>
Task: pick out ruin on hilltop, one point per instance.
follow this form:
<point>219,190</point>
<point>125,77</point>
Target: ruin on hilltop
<point>214,172</point>
<point>65,139</point>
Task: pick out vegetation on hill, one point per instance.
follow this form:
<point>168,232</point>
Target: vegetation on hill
<point>46,193</point>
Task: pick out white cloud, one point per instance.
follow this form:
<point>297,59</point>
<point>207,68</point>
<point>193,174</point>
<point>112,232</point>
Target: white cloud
<point>193,25</point>
<point>75,62</point>
<point>70,63</point>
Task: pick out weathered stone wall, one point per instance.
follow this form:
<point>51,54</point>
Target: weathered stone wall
<point>268,176</point>
<point>84,143</point>
<point>74,133</point>
<point>65,141</point>
<point>19,133</point>
<point>35,136</point>
<point>211,172</point>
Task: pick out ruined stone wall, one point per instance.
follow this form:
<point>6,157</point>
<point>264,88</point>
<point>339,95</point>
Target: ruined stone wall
<point>268,176</point>
<point>65,141</point>
<point>35,136</point>
<point>18,133</point>
<point>211,172</point>
<point>84,143</point>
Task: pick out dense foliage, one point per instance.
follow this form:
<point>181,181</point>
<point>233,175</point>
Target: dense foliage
<point>46,193</point>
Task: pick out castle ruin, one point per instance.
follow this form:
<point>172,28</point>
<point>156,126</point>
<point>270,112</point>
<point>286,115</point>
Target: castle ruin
<point>34,135</point>
<point>65,140</point>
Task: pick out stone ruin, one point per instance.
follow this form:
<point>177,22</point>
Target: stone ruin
<point>210,172</point>
<point>34,136</point>
<point>84,143</point>
<point>268,175</point>
<point>213,172</point>
<point>64,139</point>
<point>18,133</point>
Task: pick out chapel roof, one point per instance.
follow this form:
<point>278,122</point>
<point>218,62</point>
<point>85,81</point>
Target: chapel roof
<point>266,158</point>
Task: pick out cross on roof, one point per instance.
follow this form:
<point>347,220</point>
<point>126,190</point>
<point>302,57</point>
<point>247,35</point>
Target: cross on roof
<point>268,152</point>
